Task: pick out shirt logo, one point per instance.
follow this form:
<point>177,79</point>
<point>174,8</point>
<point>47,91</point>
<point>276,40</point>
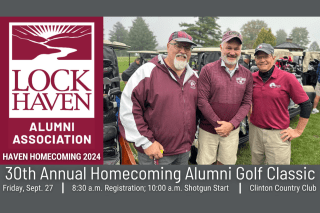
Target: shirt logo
<point>241,80</point>
<point>192,84</point>
<point>273,85</point>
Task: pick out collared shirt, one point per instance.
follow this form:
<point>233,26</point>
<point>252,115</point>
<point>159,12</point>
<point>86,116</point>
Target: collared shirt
<point>270,99</point>
<point>230,72</point>
<point>266,75</point>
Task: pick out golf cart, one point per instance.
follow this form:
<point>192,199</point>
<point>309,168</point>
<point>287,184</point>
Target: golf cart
<point>310,61</point>
<point>115,149</point>
<point>304,67</point>
<point>144,55</point>
<point>297,57</point>
<point>206,55</point>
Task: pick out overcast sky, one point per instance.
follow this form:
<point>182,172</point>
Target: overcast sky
<point>162,27</point>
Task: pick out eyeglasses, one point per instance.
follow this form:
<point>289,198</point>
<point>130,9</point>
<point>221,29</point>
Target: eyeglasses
<point>179,46</point>
<point>265,57</point>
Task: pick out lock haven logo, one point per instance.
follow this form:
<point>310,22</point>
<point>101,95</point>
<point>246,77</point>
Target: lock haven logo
<point>51,70</point>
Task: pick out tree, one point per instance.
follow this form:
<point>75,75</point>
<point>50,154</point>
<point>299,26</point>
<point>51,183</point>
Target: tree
<point>300,36</point>
<point>265,36</point>
<point>205,31</point>
<point>228,29</point>
<point>119,33</point>
<point>140,37</point>
<point>250,31</point>
<point>281,36</point>
<point>314,46</point>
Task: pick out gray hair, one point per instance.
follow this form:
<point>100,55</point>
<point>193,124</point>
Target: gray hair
<point>222,43</point>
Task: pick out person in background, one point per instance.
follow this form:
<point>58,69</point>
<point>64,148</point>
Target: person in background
<point>131,69</point>
<point>246,61</point>
<point>317,89</point>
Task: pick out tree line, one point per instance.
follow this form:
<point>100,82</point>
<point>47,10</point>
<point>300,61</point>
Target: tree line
<point>207,33</point>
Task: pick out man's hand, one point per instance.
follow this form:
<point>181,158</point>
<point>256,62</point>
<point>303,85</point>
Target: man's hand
<point>225,128</point>
<point>249,114</point>
<point>289,134</point>
<point>153,151</point>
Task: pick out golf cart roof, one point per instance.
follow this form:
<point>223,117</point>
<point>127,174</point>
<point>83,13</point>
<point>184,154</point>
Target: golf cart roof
<point>280,53</point>
<point>145,55</point>
<point>248,52</point>
<point>297,53</point>
<point>115,45</point>
<point>206,49</point>
<point>166,51</point>
<point>144,51</point>
<point>162,51</point>
<point>310,56</point>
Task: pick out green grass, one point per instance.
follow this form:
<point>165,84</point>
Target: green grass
<point>123,63</point>
<point>305,150</point>
<point>122,85</point>
<point>244,154</point>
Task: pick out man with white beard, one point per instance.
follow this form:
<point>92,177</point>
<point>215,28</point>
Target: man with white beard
<point>158,105</point>
<point>224,98</point>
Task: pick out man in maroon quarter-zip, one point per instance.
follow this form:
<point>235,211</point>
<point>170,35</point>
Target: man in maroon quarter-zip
<point>158,105</point>
<point>224,98</point>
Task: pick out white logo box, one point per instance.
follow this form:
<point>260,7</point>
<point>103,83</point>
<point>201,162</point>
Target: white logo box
<point>62,81</point>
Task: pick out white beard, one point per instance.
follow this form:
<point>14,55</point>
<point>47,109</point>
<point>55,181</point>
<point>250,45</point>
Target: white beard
<point>180,65</point>
<point>225,59</point>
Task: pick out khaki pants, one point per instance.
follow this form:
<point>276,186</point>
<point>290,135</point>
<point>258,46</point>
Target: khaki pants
<point>213,147</point>
<point>317,89</point>
<point>267,146</point>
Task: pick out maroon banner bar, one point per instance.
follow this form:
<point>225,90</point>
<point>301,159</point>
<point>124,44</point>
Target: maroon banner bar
<point>51,90</point>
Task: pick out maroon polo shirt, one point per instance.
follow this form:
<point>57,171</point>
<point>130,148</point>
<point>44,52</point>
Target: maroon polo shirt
<point>271,99</point>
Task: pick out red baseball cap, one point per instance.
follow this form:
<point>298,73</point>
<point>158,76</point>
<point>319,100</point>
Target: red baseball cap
<point>230,35</point>
<point>181,36</point>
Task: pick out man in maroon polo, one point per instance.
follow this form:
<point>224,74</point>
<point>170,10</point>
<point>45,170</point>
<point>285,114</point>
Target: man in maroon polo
<point>270,134</point>
<point>224,98</point>
<point>158,105</point>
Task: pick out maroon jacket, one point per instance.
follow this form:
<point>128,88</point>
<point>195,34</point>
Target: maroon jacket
<point>155,106</point>
<point>221,98</point>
